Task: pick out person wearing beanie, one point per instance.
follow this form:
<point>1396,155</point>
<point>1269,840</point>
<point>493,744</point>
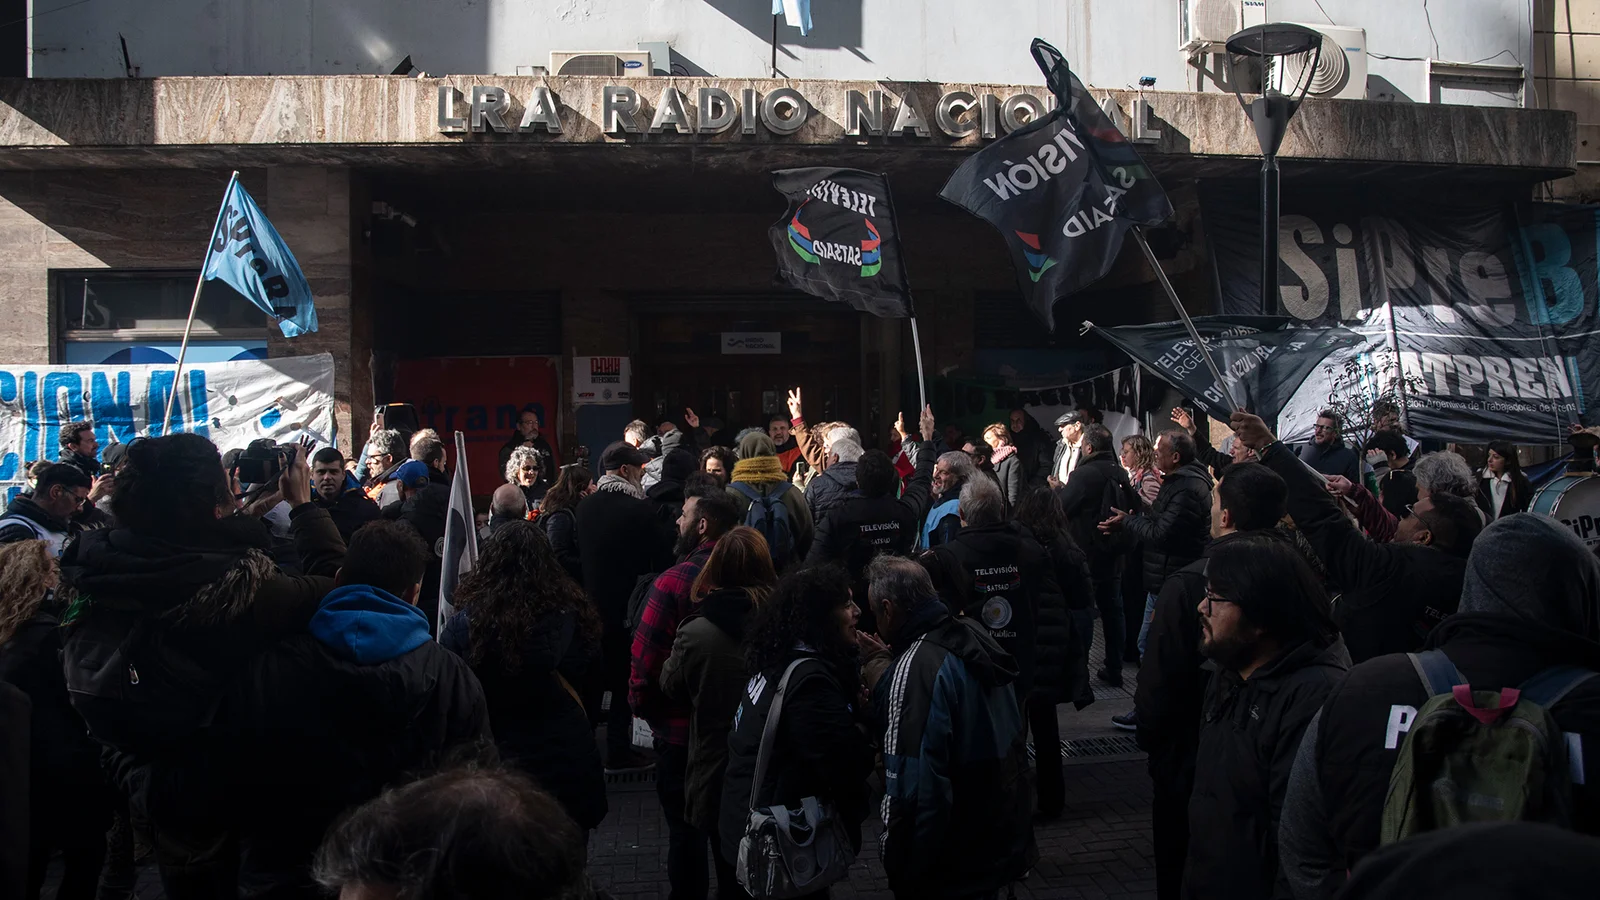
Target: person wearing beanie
<point>1530,601</point>
<point>758,475</point>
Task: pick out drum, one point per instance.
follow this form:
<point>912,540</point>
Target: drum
<point>1574,501</point>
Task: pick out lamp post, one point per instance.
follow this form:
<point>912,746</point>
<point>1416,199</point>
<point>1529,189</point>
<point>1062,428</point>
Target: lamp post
<point>1270,114</point>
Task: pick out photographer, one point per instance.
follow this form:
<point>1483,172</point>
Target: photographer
<point>173,603</point>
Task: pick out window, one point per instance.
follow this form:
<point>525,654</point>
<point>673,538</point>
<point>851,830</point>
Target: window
<point>122,305</point>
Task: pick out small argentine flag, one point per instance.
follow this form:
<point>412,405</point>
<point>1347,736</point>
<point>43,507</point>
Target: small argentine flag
<point>795,12</point>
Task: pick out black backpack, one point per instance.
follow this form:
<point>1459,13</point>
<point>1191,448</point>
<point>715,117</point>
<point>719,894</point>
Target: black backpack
<point>638,599</point>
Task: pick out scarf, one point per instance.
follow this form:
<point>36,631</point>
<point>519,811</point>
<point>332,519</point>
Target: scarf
<point>609,482</point>
<point>759,470</point>
<point>999,456</point>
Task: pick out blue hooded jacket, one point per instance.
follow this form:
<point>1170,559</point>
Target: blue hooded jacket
<point>368,625</point>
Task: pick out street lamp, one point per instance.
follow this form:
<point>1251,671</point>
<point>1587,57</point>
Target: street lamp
<point>1270,113</point>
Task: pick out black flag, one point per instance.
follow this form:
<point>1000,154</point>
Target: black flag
<point>1063,190</point>
<point>839,239</point>
<point>1264,359</point>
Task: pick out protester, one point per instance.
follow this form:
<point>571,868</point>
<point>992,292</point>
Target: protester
<point>768,502</point>
<point>1530,601</point>
<point>1065,633</point>
<point>1482,862</point>
<point>529,434</point>
<point>706,672</point>
<point>951,472</point>
<point>323,721</point>
<point>558,513</point>
<point>1445,473</point>
<point>837,480</point>
<point>1070,426</point>
<point>530,635</point>
<point>183,572</point>
<point>785,447</point>
<point>506,505</point>
<point>636,434</point>
<point>1138,458</point>
<point>1209,456</point>
<point>1033,446</point>
<point>1173,533</point>
<point>1008,464</point>
<point>389,452</point>
<point>1397,487</point>
<point>1502,488</point>
<point>467,834</point>
<point>112,460</point>
<point>1248,502</point>
<point>340,493</point>
<point>427,448</point>
<point>620,540</point>
<point>670,600</point>
<point>1390,595</point>
<point>69,803</point>
<point>718,462</point>
<point>46,514</point>
<point>957,810</point>
<point>1096,487</point>
<point>820,748</point>
<point>1327,453</point>
<point>667,493</point>
<point>877,521</point>
<point>522,470</point>
<point>1265,625</point>
<point>425,506</point>
<point>667,440</point>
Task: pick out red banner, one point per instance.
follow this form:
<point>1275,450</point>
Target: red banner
<point>482,397</point>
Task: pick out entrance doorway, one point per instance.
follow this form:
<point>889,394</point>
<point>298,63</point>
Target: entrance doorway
<point>717,358</point>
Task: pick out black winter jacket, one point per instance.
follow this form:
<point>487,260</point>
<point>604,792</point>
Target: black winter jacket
<point>1175,530</point>
<point>999,576</point>
<point>1390,595</point>
<point>1341,777</point>
<point>1063,667</point>
<point>1008,472</point>
<point>539,725</point>
<point>427,511</point>
<point>820,748</point>
<point>65,762</point>
<point>619,539</point>
<point>859,528</point>
<point>1173,678</point>
<point>1338,459</point>
<point>561,528</point>
<point>666,497</point>
<point>830,489</point>
<point>13,531</point>
<point>1094,488</point>
<point>1249,733</point>
<point>350,510</point>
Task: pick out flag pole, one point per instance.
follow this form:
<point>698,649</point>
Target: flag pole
<point>194,304</point>
<point>916,347</point>
<point>1194,333</point>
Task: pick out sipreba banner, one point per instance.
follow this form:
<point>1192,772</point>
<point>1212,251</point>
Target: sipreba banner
<point>1490,310</point>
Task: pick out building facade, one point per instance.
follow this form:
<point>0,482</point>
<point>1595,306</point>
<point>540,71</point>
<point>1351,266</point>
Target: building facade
<point>465,211</point>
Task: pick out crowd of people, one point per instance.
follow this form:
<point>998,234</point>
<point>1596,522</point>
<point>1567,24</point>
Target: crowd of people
<point>240,664</point>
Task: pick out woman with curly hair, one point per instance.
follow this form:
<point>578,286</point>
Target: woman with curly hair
<point>70,801</point>
<point>718,462</point>
<point>821,748</point>
<point>558,513</point>
<point>522,470</point>
<point>529,633</point>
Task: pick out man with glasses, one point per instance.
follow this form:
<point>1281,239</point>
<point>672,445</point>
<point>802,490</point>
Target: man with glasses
<point>47,514</point>
<point>1327,453</point>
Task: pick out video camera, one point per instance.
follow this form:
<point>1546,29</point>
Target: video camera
<point>263,461</point>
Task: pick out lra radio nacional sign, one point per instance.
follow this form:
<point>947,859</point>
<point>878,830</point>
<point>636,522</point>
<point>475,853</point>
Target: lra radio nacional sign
<point>713,110</point>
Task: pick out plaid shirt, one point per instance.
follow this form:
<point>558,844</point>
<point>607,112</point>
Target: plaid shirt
<point>667,605</point>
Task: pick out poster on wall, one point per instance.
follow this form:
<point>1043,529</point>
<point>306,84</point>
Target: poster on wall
<point>601,380</point>
<point>232,403</point>
<point>1490,311</point>
<point>483,397</point>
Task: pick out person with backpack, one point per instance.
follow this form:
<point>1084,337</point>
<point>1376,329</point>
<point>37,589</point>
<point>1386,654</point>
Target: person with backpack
<point>1529,620</point>
<point>558,515</point>
<point>47,514</point>
<point>768,502</point>
<point>705,519</point>
<point>1096,487</point>
<point>1265,624</point>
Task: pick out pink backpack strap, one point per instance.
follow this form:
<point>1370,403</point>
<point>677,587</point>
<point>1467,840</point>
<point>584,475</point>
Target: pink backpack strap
<point>1508,700</point>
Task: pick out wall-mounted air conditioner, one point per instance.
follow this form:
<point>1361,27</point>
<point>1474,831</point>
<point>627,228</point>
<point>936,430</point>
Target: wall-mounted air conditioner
<point>1341,72</point>
<point>1205,25</point>
<point>605,63</point>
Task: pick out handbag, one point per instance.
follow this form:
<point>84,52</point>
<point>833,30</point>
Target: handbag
<point>789,851</point>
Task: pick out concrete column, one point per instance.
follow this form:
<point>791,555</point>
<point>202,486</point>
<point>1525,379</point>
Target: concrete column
<point>24,272</point>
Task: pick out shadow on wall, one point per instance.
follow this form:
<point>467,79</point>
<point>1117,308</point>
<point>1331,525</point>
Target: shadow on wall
<point>836,25</point>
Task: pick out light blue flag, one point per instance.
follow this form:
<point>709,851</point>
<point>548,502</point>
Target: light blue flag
<point>247,254</point>
<point>795,12</point>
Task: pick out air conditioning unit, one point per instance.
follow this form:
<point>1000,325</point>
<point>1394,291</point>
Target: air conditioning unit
<point>1207,24</point>
<point>605,63</point>
<point>1341,72</point>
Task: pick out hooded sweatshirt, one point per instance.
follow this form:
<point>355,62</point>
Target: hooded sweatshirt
<point>365,624</point>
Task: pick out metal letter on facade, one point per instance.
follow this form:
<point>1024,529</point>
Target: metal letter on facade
<point>1015,102</point>
<point>857,110</point>
<point>989,105</point>
<point>670,113</point>
<point>543,109</point>
<point>747,112</point>
<point>799,111</point>
<point>449,122</point>
<point>717,111</point>
<point>1142,133</point>
<point>947,110</point>
<point>908,116</point>
<point>618,106</point>
<point>488,107</point>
